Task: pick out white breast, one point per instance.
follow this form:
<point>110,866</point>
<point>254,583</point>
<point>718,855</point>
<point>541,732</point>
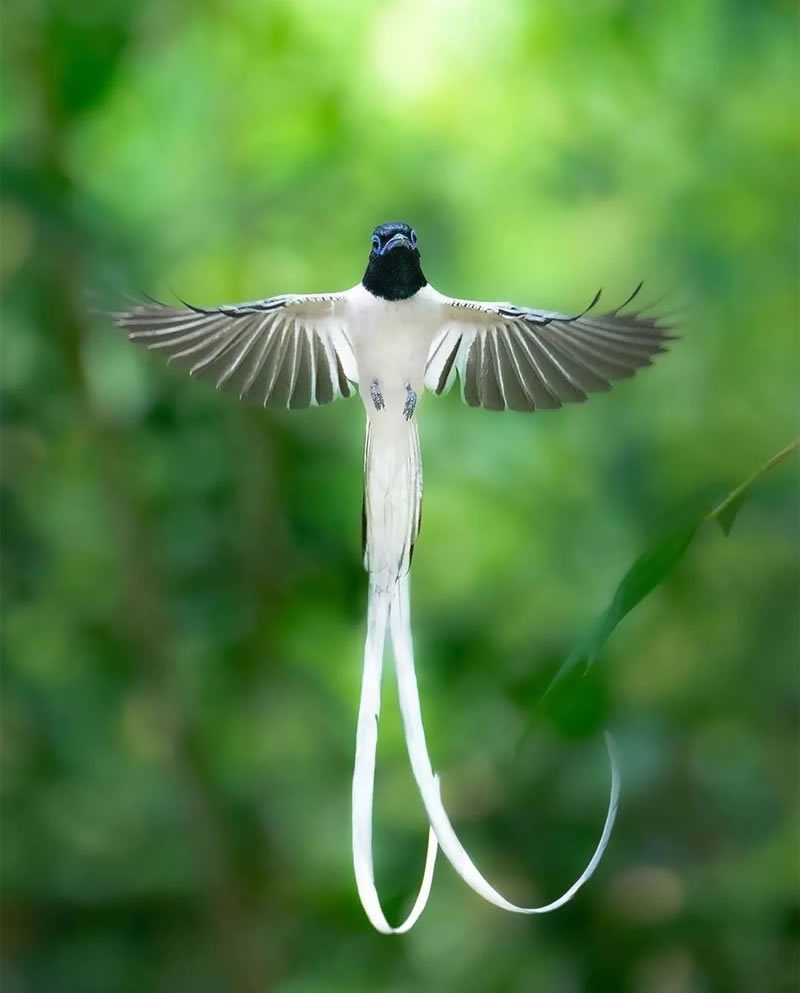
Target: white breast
<point>391,340</point>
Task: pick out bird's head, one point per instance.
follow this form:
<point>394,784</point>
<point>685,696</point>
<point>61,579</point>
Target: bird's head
<point>391,237</point>
<point>394,271</point>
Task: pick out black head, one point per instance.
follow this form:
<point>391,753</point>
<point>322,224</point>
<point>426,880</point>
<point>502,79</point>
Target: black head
<point>393,271</point>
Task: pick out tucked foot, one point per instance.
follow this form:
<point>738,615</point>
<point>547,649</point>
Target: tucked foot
<point>410,404</point>
<point>376,395</point>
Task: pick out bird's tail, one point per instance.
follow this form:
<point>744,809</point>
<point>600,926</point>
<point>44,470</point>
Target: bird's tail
<point>428,781</point>
<point>392,504</point>
<point>391,513</point>
<point>364,773</point>
<point>392,508</point>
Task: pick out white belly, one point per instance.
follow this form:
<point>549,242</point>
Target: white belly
<point>391,340</point>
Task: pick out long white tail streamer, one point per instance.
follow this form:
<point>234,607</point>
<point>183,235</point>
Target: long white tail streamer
<point>392,496</point>
<point>364,777</point>
<point>428,783</point>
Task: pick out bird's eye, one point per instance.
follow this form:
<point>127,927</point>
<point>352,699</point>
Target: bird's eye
<point>376,243</point>
<point>413,239</point>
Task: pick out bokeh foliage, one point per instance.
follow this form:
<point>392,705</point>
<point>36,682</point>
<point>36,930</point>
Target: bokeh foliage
<point>183,596</point>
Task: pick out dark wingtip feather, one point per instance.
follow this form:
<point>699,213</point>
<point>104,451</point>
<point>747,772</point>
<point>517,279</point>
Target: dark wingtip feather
<point>630,299</point>
<point>574,317</point>
<point>664,322</point>
<point>591,306</point>
<point>594,301</point>
<point>191,306</point>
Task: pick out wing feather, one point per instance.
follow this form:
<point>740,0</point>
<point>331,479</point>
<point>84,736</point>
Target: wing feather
<point>323,381</point>
<point>490,390</point>
<point>540,394</point>
<point>582,372</point>
<point>285,351</point>
<point>524,359</point>
<point>514,390</point>
<point>470,378</point>
<point>302,394</point>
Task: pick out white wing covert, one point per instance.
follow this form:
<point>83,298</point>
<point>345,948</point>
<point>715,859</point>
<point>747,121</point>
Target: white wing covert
<point>517,358</point>
<point>285,351</point>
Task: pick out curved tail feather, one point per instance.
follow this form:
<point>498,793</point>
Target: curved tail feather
<point>428,782</point>
<point>392,507</point>
<point>364,777</point>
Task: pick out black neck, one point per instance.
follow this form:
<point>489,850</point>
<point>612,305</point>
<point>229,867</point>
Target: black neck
<point>394,276</point>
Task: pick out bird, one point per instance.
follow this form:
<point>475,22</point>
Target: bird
<point>390,337</point>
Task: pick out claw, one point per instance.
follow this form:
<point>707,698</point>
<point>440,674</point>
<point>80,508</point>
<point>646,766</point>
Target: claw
<point>376,395</point>
<point>411,403</point>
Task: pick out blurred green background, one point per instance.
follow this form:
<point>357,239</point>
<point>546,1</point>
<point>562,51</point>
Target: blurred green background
<point>183,594</point>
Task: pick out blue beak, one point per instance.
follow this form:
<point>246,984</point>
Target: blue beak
<point>396,242</point>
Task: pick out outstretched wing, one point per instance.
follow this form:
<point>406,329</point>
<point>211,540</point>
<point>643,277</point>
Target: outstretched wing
<point>286,351</point>
<point>521,359</point>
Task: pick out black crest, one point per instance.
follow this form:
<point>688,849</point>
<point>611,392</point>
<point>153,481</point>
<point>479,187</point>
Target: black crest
<point>394,271</point>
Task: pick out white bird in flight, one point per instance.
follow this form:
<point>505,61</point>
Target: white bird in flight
<point>393,334</point>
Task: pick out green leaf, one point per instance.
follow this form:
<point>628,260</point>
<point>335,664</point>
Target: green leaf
<point>725,512</point>
<point>642,577</point>
<point>652,567</point>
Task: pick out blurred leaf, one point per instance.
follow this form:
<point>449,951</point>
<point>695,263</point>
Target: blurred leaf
<point>725,512</point>
<point>654,565</point>
<point>582,707</point>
